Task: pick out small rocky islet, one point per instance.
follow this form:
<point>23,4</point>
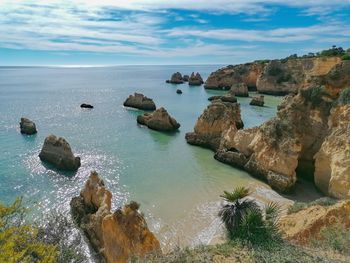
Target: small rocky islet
<point>27,126</point>
<point>195,79</point>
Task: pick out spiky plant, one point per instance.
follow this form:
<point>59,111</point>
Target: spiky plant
<point>234,211</point>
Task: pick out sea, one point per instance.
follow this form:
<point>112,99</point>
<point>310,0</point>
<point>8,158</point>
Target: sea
<point>177,185</point>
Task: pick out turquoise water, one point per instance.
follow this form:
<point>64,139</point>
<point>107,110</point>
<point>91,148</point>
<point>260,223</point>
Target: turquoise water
<point>172,180</point>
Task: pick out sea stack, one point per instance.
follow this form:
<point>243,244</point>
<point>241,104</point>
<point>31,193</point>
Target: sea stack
<point>27,126</point>
<point>139,101</point>
<point>57,151</point>
<point>240,89</point>
<point>159,120</point>
<point>195,79</point>
<point>176,78</point>
<point>116,236</point>
<point>257,101</point>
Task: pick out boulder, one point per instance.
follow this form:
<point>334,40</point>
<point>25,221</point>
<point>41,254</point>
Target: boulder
<point>257,101</point>
<point>27,126</point>
<point>87,106</point>
<point>240,90</point>
<point>303,226</point>
<point>176,78</point>
<point>116,236</point>
<point>216,119</point>
<point>195,79</point>
<point>159,120</point>
<point>57,151</point>
<point>139,101</point>
<point>185,78</point>
<point>178,91</point>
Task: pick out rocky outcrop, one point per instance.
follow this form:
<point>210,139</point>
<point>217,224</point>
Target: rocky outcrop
<point>87,106</point>
<point>139,101</point>
<point>176,78</point>
<point>216,119</point>
<point>240,89</point>
<point>27,126</point>
<point>185,78</point>
<point>231,75</point>
<point>305,225</point>
<point>116,236</point>
<point>195,79</point>
<point>332,161</point>
<point>257,101</point>
<point>57,151</point>
<point>229,97</point>
<point>159,120</point>
<point>282,77</point>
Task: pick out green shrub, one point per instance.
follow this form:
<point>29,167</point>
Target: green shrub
<point>324,201</point>
<point>313,95</point>
<point>346,57</point>
<point>275,71</point>
<point>344,97</point>
<point>335,237</point>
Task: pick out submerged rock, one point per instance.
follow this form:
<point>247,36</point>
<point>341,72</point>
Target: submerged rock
<point>216,119</point>
<point>195,79</point>
<point>139,101</point>
<point>240,90</point>
<point>159,120</point>
<point>176,78</point>
<point>27,126</point>
<point>257,101</point>
<point>178,91</point>
<point>117,236</point>
<point>87,106</point>
<point>57,151</point>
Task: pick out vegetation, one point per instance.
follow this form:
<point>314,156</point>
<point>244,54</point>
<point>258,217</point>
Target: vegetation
<point>297,206</point>
<point>245,220</point>
<point>22,242</point>
<point>344,97</point>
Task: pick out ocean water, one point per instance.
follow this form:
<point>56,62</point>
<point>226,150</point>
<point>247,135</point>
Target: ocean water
<point>177,185</point>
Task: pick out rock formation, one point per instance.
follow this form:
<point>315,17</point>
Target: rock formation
<point>185,78</point>
<point>139,101</point>
<point>231,75</point>
<point>332,161</point>
<point>216,119</point>
<point>195,79</point>
<point>27,126</point>
<point>257,101</point>
<point>281,77</point>
<point>159,120</point>
<point>57,151</point>
<point>277,77</point>
<point>303,226</point>
<point>228,97</point>
<point>115,236</point>
<point>176,78</point>
<point>178,91</point>
<point>308,127</point>
<point>240,89</point>
<point>87,106</point>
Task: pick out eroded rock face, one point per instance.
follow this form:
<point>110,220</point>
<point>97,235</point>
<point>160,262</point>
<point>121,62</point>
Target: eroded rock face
<point>27,126</point>
<point>283,77</point>
<point>176,78</point>
<point>159,120</point>
<point>216,119</point>
<point>57,151</point>
<point>306,224</point>
<point>195,79</point>
<point>240,90</point>
<point>115,236</point>
<point>332,161</point>
<point>226,77</point>
<point>139,101</point>
<point>257,101</point>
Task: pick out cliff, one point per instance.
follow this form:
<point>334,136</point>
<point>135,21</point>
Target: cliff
<point>311,125</point>
<point>278,77</point>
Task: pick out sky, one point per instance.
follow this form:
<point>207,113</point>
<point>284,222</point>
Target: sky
<point>166,32</point>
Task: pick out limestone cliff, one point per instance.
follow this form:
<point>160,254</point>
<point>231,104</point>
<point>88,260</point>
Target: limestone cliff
<point>115,236</point>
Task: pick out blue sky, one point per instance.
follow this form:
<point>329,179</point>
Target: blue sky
<point>115,32</point>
